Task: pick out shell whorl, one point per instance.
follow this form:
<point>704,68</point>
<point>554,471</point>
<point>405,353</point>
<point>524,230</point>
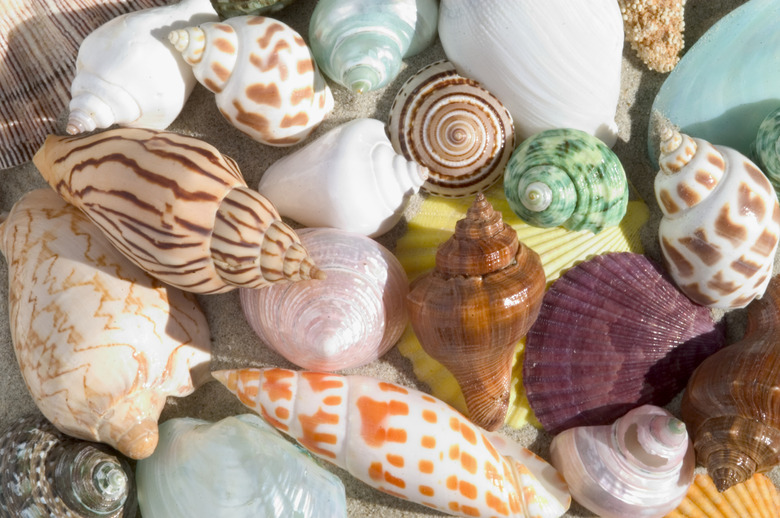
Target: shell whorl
<point>212,70</point>
<point>454,127</point>
<point>97,103</point>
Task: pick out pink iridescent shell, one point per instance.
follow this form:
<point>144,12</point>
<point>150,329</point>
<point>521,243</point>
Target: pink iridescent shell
<point>613,333</point>
<point>352,317</point>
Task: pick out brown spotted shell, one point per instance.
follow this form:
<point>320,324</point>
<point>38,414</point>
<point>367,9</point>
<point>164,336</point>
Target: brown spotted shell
<point>470,312</point>
<point>266,81</point>
<point>721,221</point>
<point>454,127</point>
<point>176,207</point>
<point>730,404</point>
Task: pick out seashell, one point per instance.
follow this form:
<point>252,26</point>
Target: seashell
<point>756,497</point>
<point>38,48</point>
<point>566,177</point>
<point>568,74</point>
<point>238,467</point>
<point>654,29</point>
<point>477,303</point>
<point>176,207</point>
<point>729,404</point>
<point>721,222</point>
<point>723,104</point>
<point>231,8</point>
<point>46,473</point>
<point>641,465</point>
<point>402,442</point>
<point>766,148</point>
<point>349,319</point>
<point>454,127</point>
<point>558,248</point>
<point>361,44</point>
<point>85,325</point>
<point>263,75</point>
<point>349,178</point>
<point>621,334</point>
<point>127,75</point>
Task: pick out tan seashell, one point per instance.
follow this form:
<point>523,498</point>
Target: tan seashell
<point>756,497</point>
<point>470,312</point>
<point>100,343</point>
<point>176,207</point>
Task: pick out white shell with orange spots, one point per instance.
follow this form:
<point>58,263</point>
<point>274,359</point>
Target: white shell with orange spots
<point>263,74</point>
<point>721,222</point>
<point>403,442</point>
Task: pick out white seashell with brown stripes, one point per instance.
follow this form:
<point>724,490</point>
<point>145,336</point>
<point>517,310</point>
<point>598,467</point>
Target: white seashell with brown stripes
<point>264,76</point>
<point>176,207</point>
<point>403,442</point>
<point>721,221</point>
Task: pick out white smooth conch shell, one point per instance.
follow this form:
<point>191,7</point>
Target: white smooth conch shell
<point>127,74</point>
<point>239,467</point>
<point>100,343</point>
<point>176,207</point>
<point>352,317</point>
<point>552,63</point>
<point>402,442</point>
<point>721,221</point>
<point>350,178</point>
<point>263,75</point>
<point>640,466</point>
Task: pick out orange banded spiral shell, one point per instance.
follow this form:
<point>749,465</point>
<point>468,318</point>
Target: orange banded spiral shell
<point>176,207</point>
<point>470,312</point>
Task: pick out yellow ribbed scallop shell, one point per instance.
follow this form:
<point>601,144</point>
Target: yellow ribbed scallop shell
<point>757,497</point>
<point>558,248</point>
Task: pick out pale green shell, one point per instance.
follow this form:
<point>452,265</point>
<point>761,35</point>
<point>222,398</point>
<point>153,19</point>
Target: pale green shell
<point>766,148</point>
<point>230,8</point>
<point>566,177</point>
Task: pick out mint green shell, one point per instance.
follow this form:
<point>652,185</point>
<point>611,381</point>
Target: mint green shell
<point>766,148</point>
<point>566,177</point>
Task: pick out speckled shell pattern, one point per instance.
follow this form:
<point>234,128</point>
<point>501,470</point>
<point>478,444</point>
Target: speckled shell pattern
<point>402,442</point>
<point>41,472</point>
<point>566,177</point>
<point>100,343</point>
<point>454,127</point>
<point>721,221</point>
<point>766,148</point>
<point>730,403</point>
<point>471,311</point>
<point>176,207</point>
<point>263,75</point>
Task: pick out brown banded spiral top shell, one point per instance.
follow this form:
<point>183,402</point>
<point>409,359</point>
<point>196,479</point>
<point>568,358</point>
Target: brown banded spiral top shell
<point>454,127</point>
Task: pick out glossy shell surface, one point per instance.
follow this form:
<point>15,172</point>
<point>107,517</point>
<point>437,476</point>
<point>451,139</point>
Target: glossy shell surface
<point>352,317</point>
<point>620,333</point>
<point>566,177</point>
<point>454,127</point>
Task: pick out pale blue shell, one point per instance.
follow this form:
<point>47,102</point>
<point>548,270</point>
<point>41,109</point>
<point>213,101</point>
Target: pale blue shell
<point>361,44</point>
<point>727,82</point>
<point>238,467</point>
<point>766,148</point>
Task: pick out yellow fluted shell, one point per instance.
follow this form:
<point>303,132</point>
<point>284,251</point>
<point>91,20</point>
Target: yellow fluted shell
<point>558,248</point>
<point>757,497</point>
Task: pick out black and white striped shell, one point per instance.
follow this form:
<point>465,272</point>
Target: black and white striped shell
<point>454,127</point>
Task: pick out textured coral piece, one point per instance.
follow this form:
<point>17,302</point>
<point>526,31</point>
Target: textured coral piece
<point>654,28</point>
<point>757,497</point>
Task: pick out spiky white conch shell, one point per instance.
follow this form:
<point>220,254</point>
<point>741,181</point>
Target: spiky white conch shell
<point>721,221</point>
<point>100,343</point>
<point>263,75</point>
<point>403,442</point>
<point>127,74</point>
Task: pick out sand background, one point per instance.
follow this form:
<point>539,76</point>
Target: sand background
<point>235,345</point>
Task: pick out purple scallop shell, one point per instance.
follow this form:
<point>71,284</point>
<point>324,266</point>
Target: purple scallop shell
<point>613,333</point>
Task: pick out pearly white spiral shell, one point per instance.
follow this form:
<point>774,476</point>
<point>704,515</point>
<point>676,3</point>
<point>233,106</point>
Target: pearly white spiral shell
<point>127,73</point>
<point>552,63</point>
<point>350,178</point>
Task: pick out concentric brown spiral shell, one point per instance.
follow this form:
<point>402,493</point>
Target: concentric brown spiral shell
<point>731,405</point>
<point>473,308</point>
<point>454,127</point>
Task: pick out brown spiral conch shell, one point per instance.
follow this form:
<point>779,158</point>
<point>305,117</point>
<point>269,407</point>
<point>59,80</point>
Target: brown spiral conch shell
<point>176,207</point>
<point>454,127</point>
<point>730,403</point>
<point>477,303</point>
